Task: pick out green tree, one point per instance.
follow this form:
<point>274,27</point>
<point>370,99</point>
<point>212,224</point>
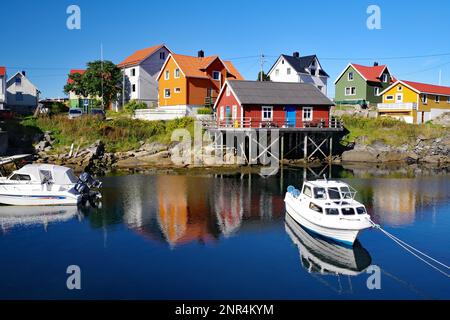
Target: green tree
<point>265,77</point>
<point>101,79</point>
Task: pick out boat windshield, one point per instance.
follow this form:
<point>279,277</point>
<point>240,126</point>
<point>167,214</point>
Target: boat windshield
<point>346,193</point>
<point>319,193</point>
<point>334,194</point>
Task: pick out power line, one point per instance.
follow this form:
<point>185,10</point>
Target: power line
<point>389,58</point>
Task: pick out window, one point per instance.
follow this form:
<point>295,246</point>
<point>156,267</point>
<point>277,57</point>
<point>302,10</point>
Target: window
<point>20,177</point>
<point>333,194</point>
<point>133,72</point>
<point>177,73</point>
<point>282,61</point>
<point>448,99</point>
<point>350,91</point>
<point>307,191</point>
<point>307,114</point>
<point>167,75</point>
<point>319,193</point>
<point>162,55</point>
<point>351,76</point>
<point>425,98</point>
<point>177,90</point>
<point>267,113</point>
<point>348,211</point>
<point>234,115</point>
<point>18,81</point>
<point>315,207</point>
<point>361,210</point>
<point>166,93</point>
<point>216,75</point>
<point>288,71</point>
<point>389,98</point>
<point>320,88</point>
<point>384,77</point>
<point>19,96</point>
<point>332,211</point>
<point>376,91</point>
<point>277,72</point>
<point>399,97</point>
<point>222,113</point>
<point>437,99</point>
<point>399,88</point>
<point>346,194</point>
<point>228,91</point>
<point>133,88</point>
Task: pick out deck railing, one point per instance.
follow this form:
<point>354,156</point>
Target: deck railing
<point>280,123</point>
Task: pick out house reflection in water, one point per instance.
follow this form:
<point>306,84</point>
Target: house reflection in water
<point>400,202</point>
<point>181,209</point>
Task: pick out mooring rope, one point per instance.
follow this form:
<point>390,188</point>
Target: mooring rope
<point>411,250</point>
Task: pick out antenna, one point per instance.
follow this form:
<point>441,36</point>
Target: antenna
<point>262,61</point>
<point>101,59</point>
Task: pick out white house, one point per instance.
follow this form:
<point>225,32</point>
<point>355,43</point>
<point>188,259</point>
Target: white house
<point>140,72</point>
<point>22,94</point>
<point>3,94</point>
<point>295,68</point>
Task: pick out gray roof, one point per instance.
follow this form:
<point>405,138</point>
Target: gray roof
<point>301,63</point>
<point>278,93</point>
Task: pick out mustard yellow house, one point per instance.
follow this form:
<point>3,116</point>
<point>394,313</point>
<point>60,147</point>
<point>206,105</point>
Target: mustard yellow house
<point>414,102</point>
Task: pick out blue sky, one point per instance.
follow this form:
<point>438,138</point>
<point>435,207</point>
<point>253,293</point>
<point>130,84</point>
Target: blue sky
<point>36,39</point>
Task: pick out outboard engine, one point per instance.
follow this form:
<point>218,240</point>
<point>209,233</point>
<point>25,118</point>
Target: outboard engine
<point>84,185</point>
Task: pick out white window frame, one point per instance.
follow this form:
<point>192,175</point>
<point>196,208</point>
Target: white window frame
<point>162,56</point>
<point>177,90</point>
<point>310,110</point>
<point>214,73</point>
<point>437,98</point>
<point>133,87</point>
<point>288,71</point>
<point>167,75</point>
<point>399,88</point>
<point>165,93</point>
<point>396,98</point>
<point>390,98</point>
<point>425,99</point>
<point>448,99</point>
<point>267,109</point>
<point>228,91</point>
<point>352,76</point>
<point>234,112</point>
<point>384,78</point>
<point>222,113</point>
<point>376,91</point>
<point>277,72</point>
<point>350,89</point>
<point>176,73</point>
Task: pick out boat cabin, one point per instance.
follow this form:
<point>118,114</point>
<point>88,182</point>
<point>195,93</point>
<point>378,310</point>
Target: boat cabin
<point>41,174</point>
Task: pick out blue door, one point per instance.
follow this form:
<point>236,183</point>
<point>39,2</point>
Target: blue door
<point>290,116</point>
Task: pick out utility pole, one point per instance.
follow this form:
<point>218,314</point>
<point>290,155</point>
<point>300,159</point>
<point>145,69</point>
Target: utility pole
<point>123,88</point>
<point>262,61</point>
<point>101,59</point>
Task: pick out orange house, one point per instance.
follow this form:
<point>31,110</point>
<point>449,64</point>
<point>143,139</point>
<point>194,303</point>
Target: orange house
<point>191,82</point>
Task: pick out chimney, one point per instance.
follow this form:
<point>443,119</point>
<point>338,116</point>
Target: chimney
<point>375,64</point>
<point>24,73</point>
<point>296,54</point>
<point>201,54</point>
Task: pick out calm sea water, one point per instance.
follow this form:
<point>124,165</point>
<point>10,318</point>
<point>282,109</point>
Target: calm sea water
<point>212,236</point>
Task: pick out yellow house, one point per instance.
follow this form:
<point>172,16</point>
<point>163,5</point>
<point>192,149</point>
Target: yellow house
<point>414,102</point>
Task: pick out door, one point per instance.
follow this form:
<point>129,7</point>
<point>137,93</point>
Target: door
<point>290,116</point>
<point>228,115</point>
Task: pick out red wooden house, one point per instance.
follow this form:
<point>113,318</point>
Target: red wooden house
<point>255,104</point>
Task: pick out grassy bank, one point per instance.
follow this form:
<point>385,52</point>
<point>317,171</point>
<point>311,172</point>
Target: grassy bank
<point>119,134</point>
<point>390,131</point>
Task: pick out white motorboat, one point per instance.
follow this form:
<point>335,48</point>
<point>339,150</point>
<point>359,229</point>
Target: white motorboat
<point>44,185</point>
<point>325,257</point>
<point>329,209</point>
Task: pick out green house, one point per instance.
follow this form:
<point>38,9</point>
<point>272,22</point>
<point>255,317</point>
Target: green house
<point>361,85</point>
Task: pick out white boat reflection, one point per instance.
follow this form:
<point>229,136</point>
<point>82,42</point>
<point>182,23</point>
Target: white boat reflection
<point>11,216</point>
<point>326,258</point>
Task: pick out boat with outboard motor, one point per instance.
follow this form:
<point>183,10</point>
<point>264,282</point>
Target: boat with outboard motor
<point>47,184</point>
<point>328,208</point>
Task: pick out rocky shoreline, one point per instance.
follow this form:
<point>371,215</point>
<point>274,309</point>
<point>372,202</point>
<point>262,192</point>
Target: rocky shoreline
<point>95,160</point>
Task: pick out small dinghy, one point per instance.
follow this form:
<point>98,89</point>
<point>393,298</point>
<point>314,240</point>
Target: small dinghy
<point>329,209</point>
<point>47,185</point>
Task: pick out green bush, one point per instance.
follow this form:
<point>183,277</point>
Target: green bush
<point>58,107</point>
<point>134,105</point>
<point>204,111</point>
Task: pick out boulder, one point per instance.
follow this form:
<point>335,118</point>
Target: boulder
<point>391,156</point>
<point>436,159</point>
<point>360,156</point>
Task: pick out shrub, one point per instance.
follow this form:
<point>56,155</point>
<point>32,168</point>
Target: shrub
<point>134,105</point>
<point>204,111</point>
